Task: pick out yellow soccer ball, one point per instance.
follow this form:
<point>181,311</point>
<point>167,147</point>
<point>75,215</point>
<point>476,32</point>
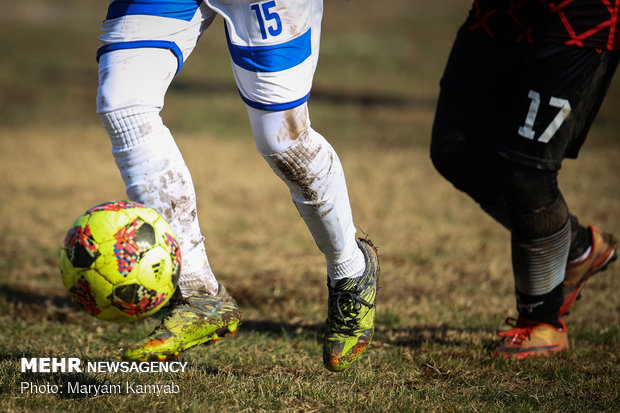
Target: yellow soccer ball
<point>120,261</point>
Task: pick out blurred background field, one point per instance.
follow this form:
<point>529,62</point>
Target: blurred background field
<point>446,283</point>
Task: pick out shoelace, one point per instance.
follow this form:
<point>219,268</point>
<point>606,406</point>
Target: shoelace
<point>521,331</point>
<point>348,313</point>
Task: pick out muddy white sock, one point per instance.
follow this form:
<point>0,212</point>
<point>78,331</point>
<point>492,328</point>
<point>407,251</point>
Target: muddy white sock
<point>313,172</point>
<point>156,175</point>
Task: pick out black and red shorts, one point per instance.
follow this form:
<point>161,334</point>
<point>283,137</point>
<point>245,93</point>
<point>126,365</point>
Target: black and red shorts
<point>531,104</point>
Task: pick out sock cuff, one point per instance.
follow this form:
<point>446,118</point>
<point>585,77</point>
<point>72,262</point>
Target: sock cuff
<point>130,127</point>
<point>197,284</point>
<point>353,267</point>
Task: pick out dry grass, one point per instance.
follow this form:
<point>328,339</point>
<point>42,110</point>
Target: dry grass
<point>445,286</point>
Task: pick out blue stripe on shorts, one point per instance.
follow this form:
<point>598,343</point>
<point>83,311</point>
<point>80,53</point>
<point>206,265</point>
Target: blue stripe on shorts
<point>139,44</point>
<point>274,106</point>
<point>174,9</point>
<point>272,58</point>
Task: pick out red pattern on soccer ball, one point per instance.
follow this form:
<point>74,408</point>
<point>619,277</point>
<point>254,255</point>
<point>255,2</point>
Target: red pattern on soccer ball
<point>83,295</point>
<point>79,235</point>
<point>146,300</point>
<point>175,251</point>
<point>115,206</point>
<point>127,251</point>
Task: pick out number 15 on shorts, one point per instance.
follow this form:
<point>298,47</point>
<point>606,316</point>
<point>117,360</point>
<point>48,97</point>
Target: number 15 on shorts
<point>269,21</point>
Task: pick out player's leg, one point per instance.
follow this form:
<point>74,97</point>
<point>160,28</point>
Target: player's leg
<point>475,105</point>
<point>139,58</point>
<point>540,240</point>
<point>474,108</point>
<point>310,167</point>
<point>554,122</point>
<point>274,57</point>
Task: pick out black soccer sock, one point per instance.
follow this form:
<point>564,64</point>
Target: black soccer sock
<point>542,308</point>
<point>541,235</point>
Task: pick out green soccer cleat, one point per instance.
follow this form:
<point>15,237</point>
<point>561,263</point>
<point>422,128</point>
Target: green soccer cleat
<point>350,322</point>
<point>190,322</point>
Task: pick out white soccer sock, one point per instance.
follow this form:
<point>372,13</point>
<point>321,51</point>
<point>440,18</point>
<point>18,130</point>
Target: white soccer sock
<point>156,175</point>
<point>313,172</point>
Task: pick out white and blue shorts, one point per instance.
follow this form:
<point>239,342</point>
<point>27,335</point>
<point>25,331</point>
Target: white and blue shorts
<point>273,44</point>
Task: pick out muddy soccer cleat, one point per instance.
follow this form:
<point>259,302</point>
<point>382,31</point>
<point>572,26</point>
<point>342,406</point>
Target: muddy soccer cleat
<point>531,339</point>
<point>602,253</point>
<point>190,322</point>
<point>350,322</point>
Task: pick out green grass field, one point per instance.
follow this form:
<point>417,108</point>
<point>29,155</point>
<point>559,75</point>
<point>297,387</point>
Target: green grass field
<point>446,282</point>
